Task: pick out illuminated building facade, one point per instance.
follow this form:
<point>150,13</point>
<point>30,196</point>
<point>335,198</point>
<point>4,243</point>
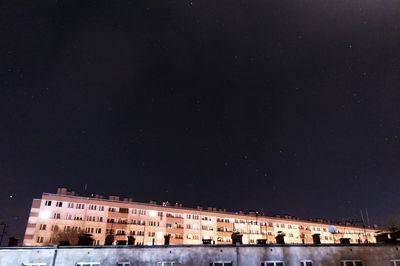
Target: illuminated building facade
<point>148,223</point>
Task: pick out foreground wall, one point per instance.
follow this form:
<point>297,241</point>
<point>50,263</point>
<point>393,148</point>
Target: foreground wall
<point>370,254</point>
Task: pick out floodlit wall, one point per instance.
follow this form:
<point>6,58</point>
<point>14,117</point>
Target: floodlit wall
<point>371,254</point>
<point>150,222</point>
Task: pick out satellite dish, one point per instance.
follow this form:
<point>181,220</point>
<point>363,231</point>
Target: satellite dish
<point>332,229</point>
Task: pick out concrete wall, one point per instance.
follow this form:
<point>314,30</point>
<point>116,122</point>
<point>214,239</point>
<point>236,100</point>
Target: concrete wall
<point>246,255</point>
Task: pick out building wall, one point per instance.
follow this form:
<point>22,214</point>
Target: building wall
<point>247,255</point>
<point>150,221</point>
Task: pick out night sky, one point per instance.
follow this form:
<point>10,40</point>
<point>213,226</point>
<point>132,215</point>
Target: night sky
<point>289,107</point>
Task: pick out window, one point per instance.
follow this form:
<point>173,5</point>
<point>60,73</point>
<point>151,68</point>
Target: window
<point>57,216</point>
<point>88,264</point>
<point>54,227</point>
<point>123,210</point>
<point>196,227</point>
<point>98,231</point>
<point>272,263</point>
<point>306,263</point>
<point>123,264</point>
<point>40,239</point>
<point>34,264</point>
<point>351,263</point>
<point>59,204</point>
<point>42,227</point>
<point>101,208</point>
<point>46,203</point>
<point>99,219</point>
<point>221,263</point>
<point>70,204</point>
<point>395,262</point>
<point>78,217</point>
<point>92,207</point>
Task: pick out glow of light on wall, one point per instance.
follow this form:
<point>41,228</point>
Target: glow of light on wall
<point>44,215</point>
<point>153,213</point>
<point>159,234</point>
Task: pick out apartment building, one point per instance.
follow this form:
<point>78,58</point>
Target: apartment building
<point>148,223</point>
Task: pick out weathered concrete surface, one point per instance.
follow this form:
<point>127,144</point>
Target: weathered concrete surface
<point>246,255</point>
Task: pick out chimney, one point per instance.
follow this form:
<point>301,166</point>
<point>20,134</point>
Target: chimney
<point>62,191</point>
<point>214,209</point>
<point>210,208</point>
<point>113,198</point>
<point>153,202</point>
<point>98,196</point>
<point>178,205</point>
<point>199,207</point>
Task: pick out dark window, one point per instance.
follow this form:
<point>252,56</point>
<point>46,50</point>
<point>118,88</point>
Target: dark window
<point>123,210</point>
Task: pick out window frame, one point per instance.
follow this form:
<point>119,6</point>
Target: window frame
<point>304,262</point>
<point>352,261</point>
<point>123,263</point>
<point>395,262</point>
<point>223,263</point>
<point>273,261</point>
<point>172,263</point>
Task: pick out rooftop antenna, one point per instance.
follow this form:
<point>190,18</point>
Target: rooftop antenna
<point>362,219</point>
<point>366,213</point>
